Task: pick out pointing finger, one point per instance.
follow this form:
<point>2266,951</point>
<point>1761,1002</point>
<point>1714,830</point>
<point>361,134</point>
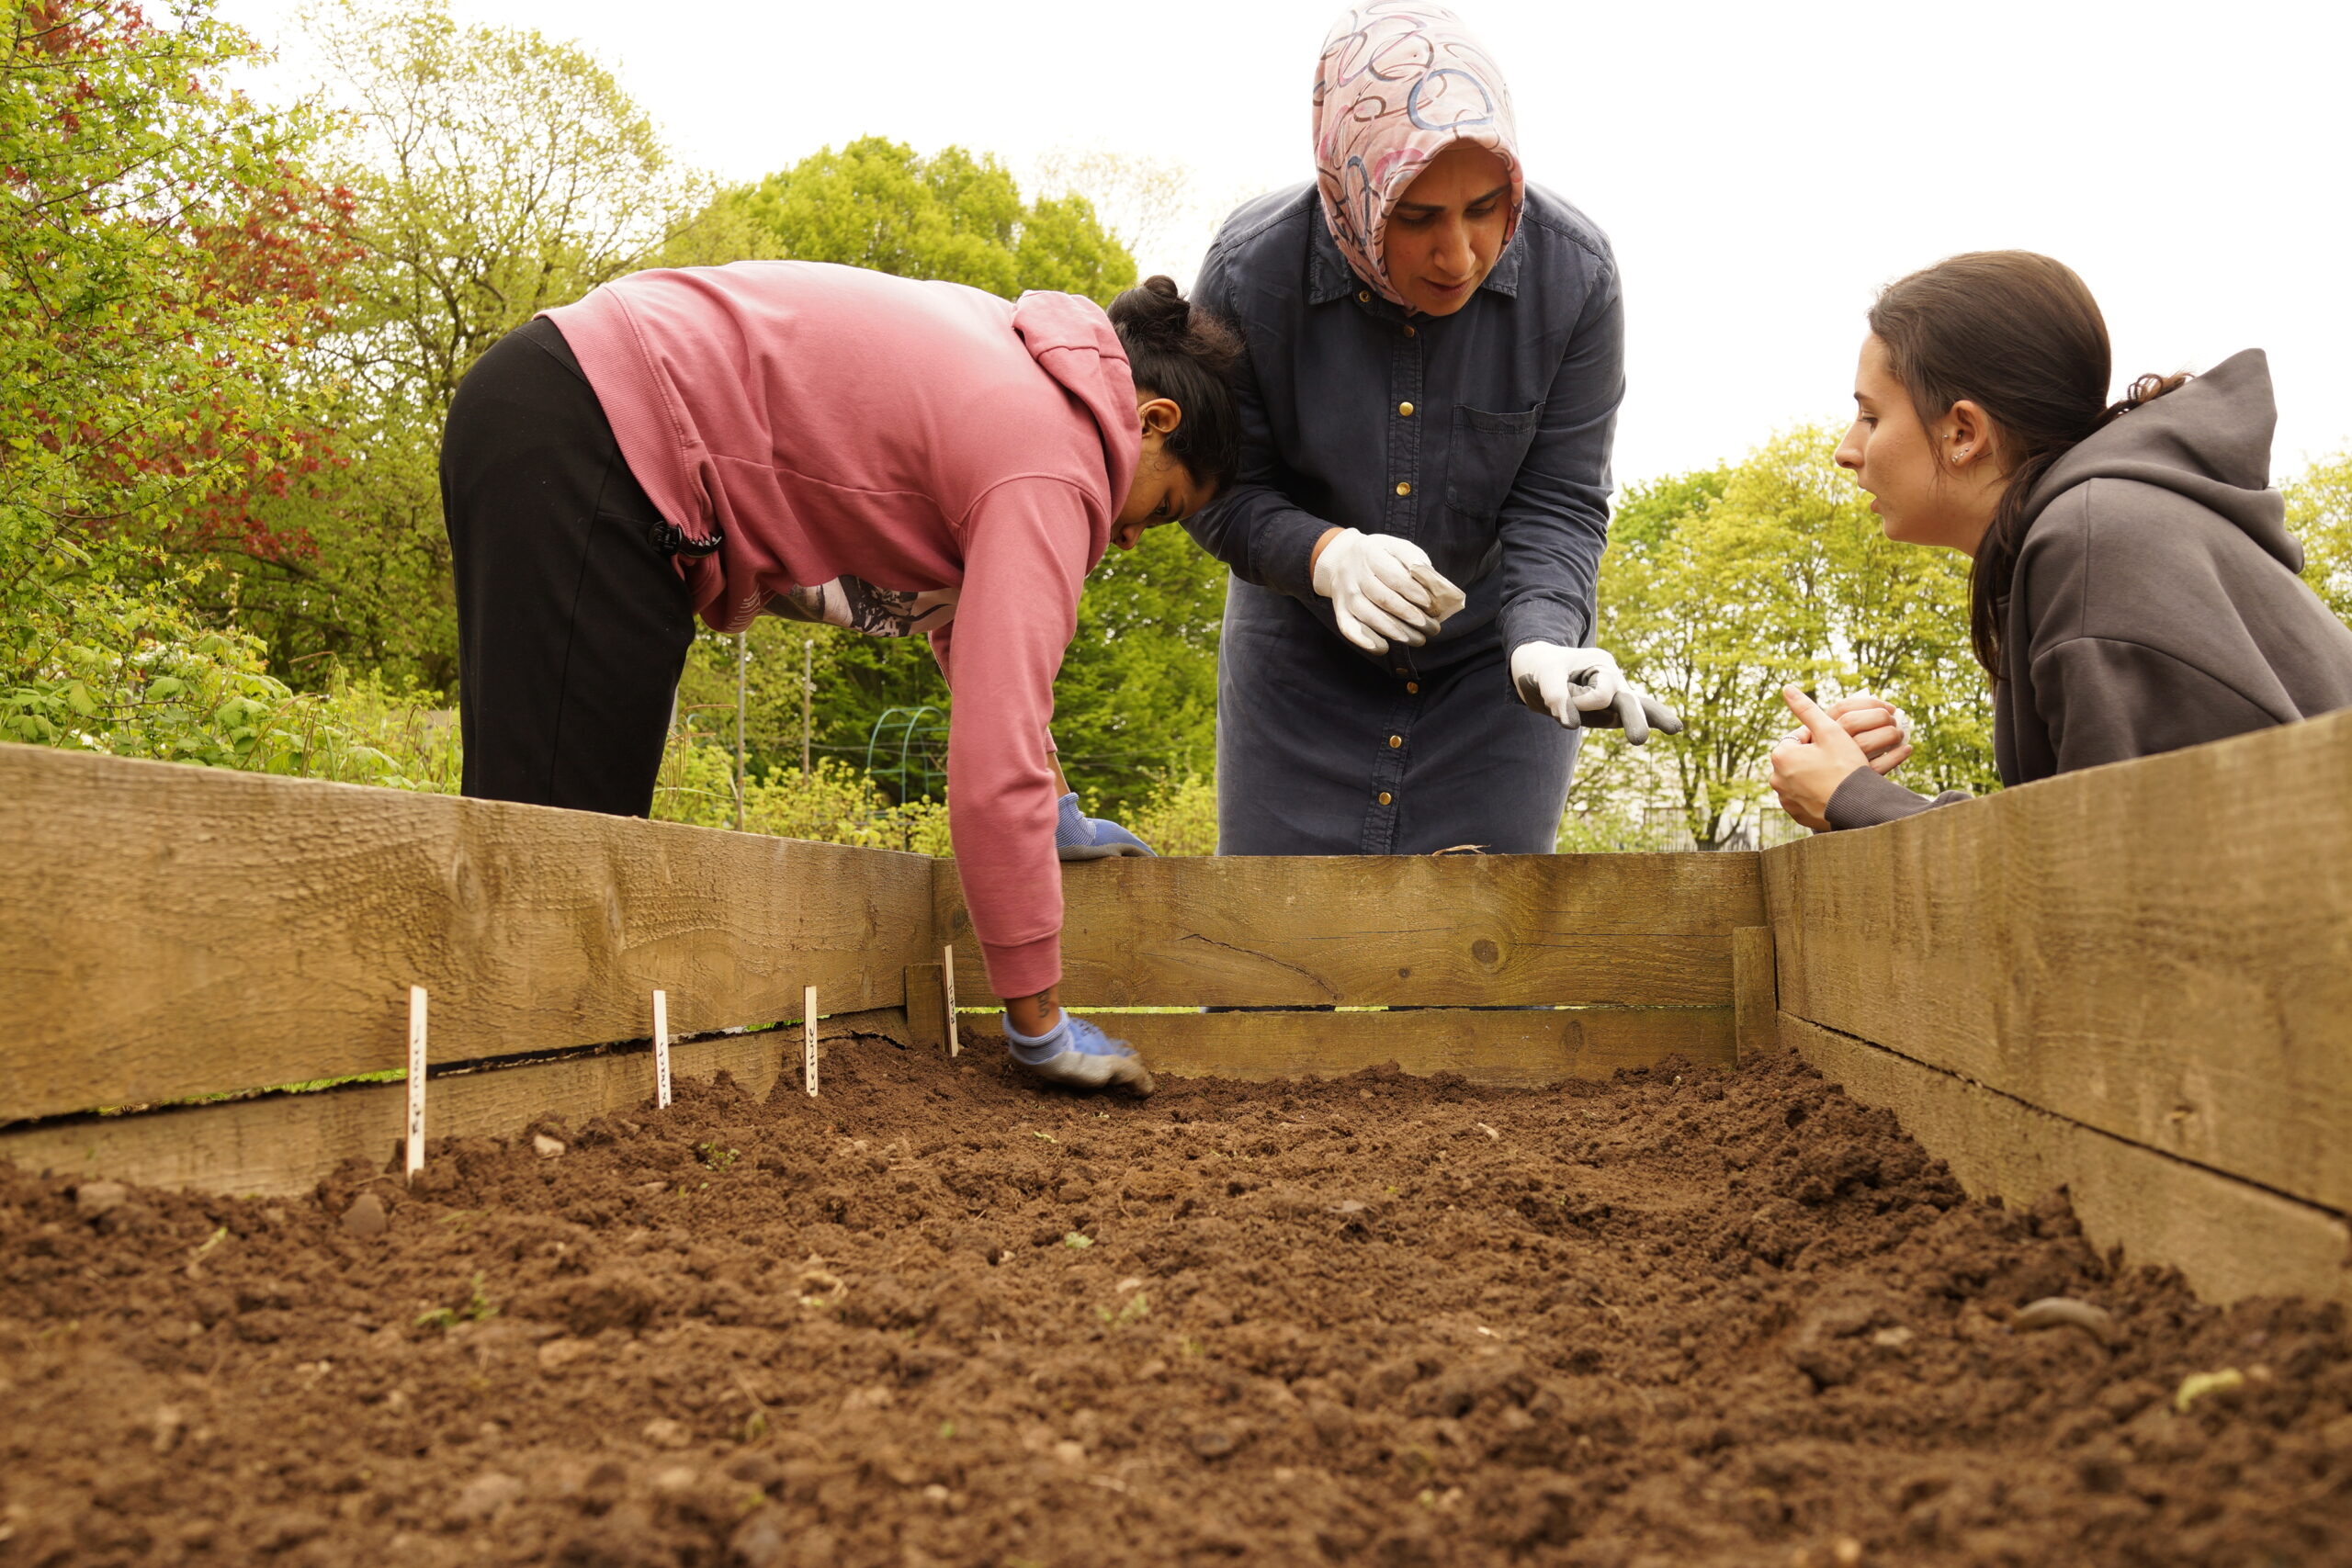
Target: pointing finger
<point>1818,723</point>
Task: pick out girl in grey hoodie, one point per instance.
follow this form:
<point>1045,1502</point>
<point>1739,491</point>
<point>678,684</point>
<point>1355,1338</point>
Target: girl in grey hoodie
<point>2134,588</point>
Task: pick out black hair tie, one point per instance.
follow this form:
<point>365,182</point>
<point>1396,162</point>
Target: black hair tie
<point>673,540</point>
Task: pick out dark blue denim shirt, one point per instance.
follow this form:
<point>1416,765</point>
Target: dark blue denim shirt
<point>1482,436</point>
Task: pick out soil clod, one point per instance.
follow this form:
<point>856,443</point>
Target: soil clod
<point>367,1218</point>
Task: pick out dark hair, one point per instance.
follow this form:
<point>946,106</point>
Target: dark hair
<point>1184,354</point>
<point>2018,335</point>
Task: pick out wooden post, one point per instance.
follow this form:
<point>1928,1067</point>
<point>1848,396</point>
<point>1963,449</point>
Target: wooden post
<point>661,1050</point>
<point>809,1037</point>
<point>742,684</point>
<point>1756,994</point>
<point>926,1005</point>
<point>947,996</point>
<point>414,1153</point>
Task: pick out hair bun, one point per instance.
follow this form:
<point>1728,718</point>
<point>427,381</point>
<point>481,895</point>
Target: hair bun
<point>1154,312</point>
<point>2144,390</point>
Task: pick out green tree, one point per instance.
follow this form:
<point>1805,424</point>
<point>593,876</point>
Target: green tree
<point>876,204</point>
<point>2319,510</point>
<point>1720,586</point>
<point>165,263</point>
<point>494,174</point>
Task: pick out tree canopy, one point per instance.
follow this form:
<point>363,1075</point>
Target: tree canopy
<point>878,204</point>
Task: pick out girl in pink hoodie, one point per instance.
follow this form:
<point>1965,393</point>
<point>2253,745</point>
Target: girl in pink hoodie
<point>823,442</point>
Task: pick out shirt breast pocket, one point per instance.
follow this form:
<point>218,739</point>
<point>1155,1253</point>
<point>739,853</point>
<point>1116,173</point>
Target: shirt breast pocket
<point>1483,464</point>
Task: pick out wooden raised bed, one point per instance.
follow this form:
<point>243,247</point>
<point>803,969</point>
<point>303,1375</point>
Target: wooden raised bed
<point>2135,982</point>
<point>174,934</point>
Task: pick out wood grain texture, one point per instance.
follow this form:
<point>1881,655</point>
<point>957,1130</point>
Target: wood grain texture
<point>2160,949</point>
<point>2230,1239</point>
<point>1650,930</point>
<point>168,931</point>
<point>280,1144</point>
<point>1518,1049</point>
<point>927,1005</point>
<point>1755,991</point>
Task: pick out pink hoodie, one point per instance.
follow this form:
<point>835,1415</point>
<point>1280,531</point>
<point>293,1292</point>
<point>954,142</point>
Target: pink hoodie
<point>828,422</point>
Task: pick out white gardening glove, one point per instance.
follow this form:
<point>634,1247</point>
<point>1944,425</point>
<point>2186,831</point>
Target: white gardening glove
<point>1582,687</point>
<point>1382,589</point>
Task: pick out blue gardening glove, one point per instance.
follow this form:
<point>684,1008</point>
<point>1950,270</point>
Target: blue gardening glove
<point>1075,1053</point>
<point>1080,837</point>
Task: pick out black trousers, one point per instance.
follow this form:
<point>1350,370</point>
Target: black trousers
<point>572,622</point>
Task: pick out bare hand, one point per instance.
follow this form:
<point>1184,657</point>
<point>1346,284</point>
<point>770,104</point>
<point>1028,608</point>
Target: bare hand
<point>1807,768</point>
<point>1876,727</point>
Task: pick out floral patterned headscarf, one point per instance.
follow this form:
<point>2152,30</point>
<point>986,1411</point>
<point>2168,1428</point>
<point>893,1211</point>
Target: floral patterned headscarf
<point>1398,82</point>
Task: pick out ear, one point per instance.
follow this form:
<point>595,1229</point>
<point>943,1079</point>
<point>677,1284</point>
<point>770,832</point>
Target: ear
<point>1967,436</point>
<point>1159,416</point>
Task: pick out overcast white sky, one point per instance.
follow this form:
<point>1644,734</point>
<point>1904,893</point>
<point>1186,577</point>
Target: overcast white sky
<point>1761,168</point>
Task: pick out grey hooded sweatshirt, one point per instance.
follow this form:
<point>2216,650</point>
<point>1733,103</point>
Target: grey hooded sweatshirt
<point>2155,604</point>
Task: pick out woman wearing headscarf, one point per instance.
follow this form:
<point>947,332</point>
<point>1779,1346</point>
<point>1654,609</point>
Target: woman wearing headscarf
<point>1434,358</point>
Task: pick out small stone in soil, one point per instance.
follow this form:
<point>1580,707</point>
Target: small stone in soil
<point>484,1496</point>
<point>367,1217</point>
<point>97,1197</point>
<point>1213,1442</point>
<point>761,1540</point>
<point>664,1433</point>
<point>548,1148</point>
<point>559,1353</point>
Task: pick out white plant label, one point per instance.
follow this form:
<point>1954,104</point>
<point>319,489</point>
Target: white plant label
<point>416,1080</point>
<point>661,1050</point>
<point>947,993</point>
<point>809,1037</point>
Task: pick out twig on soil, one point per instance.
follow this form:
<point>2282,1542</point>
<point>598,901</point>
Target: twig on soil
<point>761,1413</point>
<point>2066,1312</point>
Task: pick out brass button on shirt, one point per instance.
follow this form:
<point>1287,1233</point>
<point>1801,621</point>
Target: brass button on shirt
<point>1484,437</point>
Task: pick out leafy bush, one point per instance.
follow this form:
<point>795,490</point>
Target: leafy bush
<point>147,681</point>
<point>834,802</point>
<point>1178,818</point>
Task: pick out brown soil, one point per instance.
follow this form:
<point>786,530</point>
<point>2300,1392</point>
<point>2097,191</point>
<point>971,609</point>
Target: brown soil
<point>938,1318</point>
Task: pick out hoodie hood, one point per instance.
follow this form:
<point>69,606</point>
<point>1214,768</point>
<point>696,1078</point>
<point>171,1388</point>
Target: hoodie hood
<point>1072,341</point>
<point>2208,441</point>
